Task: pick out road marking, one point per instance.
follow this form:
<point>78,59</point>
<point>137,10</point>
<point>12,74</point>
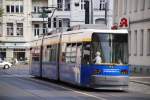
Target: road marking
<point>90,95</point>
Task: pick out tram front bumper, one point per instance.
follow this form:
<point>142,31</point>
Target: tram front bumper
<point>98,81</point>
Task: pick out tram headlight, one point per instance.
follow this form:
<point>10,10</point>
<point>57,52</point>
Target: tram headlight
<point>124,72</point>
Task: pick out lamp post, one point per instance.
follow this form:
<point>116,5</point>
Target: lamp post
<point>45,10</point>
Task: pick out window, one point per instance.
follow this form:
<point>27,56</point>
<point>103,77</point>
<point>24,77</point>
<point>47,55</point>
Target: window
<point>86,53</point>
<point>54,22</point>
<point>52,52</point>
<point>129,37</point>
<point>35,52</point>
<point>116,7</point>
<point>12,9</point>
<point>67,5</point>
<point>141,42</point>
<point>135,42</point>
<point>36,30</point>
<point>148,42</point>
<point>60,23</point>
<point>113,48</point>
<point>60,5</point>
<point>44,28</point>
<point>130,5</point>
<point>19,29</point>
<point>136,5</point>
<point>125,6</point>
<point>8,9</point>
<point>10,29</point>
<point>102,5</point>
<point>17,9</point>
<point>82,4</point>
<point>72,53</point>
<point>21,8</point>
<point>36,9</point>
<point>148,4</point>
<point>142,4</point>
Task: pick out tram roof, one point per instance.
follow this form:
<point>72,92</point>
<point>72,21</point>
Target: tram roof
<point>123,31</point>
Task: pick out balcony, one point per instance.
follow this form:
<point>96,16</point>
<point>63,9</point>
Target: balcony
<point>39,17</point>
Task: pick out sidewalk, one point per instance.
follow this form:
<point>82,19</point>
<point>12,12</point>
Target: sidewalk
<point>142,80</point>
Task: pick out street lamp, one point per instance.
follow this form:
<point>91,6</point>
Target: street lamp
<point>45,10</point>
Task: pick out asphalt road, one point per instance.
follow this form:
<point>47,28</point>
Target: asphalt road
<point>14,86</point>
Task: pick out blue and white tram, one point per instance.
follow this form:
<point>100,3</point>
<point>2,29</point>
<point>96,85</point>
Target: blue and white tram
<point>68,57</point>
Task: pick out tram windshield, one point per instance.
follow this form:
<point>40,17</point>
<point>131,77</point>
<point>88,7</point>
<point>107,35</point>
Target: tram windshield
<point>113,48</point>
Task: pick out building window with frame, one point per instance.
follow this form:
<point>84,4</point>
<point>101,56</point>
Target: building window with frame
<point>125,6</point>
<point>129,37</point>
<point>17,8</point>
<point>135,43</point>
<point>148,4</point>
<point>82,4</point>
<point>136,5</point>
<point>21,8</point>
<point>141,42</point>
<point>148,42</point>
<point>44,28</point>
<point>129,5</point>
<point>60,5</point>
<point>102,5</point>
<point>19,29</point>
<point>67,5</point>
<point>142,4</point>
<point>8,8</point>
<point>36,30</point>
<point>10,29</point>
<point>12,9</point>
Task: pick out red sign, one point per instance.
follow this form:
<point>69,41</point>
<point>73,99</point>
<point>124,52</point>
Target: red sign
<point>124,23</point>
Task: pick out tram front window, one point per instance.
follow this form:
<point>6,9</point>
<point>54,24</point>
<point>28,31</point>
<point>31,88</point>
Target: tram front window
<point>113,48</point>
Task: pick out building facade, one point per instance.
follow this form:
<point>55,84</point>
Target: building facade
<point>24,20</point>
<point>135,14</point>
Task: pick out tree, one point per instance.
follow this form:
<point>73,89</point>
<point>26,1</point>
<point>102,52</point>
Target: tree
<point>1,12</point>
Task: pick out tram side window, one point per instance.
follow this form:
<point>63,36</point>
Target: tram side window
<point>52,50</point>
<point>73,53</point>
<point>35,55</point>
<point>68,52</point>
<point>79,53</point>
<point>86,53</point>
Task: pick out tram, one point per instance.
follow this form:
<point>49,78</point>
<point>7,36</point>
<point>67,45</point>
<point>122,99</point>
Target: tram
<point>68,57</point>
